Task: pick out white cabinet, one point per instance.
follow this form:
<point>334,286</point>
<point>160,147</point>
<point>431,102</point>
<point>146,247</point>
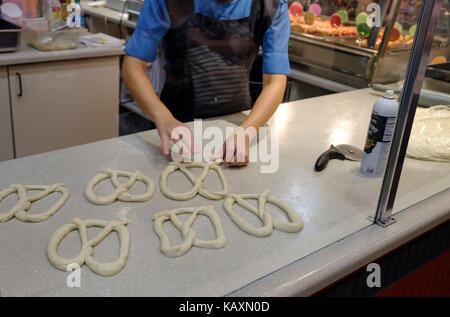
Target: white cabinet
<point>6,138</point>
<point>61,104</point>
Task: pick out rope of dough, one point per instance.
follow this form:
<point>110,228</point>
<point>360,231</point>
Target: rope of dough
<point>295,223</point>
<point>24,202</point>
<point>197,182</point>
<point>87,246</point>
<point>121,192</point>
<point>188,233</point>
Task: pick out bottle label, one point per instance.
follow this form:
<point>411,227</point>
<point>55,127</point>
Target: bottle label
<point>377,145</point>
<point>381,129</point>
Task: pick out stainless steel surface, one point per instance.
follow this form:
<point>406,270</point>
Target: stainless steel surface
<point>103,18</point>
<point>393,65</point>
<point>439,72</point>
<point>335,43</point>
<point>437,86</point>
<point>117,5</point>
<point>333,206</point>
<point>134,9</point>
<point>336,59</point>
<point>318,81</point>
<point>408,104</point>
<point>330,59</point>
<point>339,58</point>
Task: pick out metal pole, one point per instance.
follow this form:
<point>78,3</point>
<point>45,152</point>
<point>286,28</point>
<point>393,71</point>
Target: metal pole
<point>419,58</point>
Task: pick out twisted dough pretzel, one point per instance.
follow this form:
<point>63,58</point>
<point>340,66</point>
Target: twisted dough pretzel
<point>295,223</point>
<point>188,233</point>
<point>121,192</point>
<point>197,182</point>
<point>87,246</point>
<point>24,202</point>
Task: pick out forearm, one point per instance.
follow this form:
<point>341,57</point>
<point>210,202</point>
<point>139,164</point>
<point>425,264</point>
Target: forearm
<point>140,87</point>
<point>267,102</point>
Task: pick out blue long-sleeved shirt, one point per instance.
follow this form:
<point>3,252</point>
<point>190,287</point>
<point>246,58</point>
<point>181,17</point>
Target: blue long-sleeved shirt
<point>154,22</point>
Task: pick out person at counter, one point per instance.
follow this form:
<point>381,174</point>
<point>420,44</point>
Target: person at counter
<point>210,46</point>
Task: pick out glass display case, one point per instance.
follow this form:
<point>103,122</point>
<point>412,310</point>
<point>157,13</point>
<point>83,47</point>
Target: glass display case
<point>359,43</point>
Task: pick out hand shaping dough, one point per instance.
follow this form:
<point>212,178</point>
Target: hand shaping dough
<point>188,233</point>
<point>121,192</point>
<point>430,134</point>
<point>24,202</point>
<point>295,223</point>
<point>87,246</point>
<point>198,183</point>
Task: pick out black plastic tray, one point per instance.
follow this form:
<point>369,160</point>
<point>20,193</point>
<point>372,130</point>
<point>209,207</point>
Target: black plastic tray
<point>439,71</point>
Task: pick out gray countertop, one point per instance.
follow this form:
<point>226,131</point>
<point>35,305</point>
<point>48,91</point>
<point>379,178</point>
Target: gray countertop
<point>26,54</point>
<point>334,204</point>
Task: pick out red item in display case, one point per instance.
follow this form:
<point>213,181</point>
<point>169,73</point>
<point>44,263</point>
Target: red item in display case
<point>395,35</point>
<point>336,20</point>
<point>296,9</point>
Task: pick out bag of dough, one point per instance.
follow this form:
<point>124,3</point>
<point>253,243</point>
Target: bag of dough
<point>430,134</point>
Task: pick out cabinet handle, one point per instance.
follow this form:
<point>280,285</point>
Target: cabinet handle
<point>20,94</point>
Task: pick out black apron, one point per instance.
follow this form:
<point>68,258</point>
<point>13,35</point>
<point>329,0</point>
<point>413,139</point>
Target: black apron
<point>209,60</point>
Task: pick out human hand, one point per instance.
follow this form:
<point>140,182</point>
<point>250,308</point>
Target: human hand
<point>235,150</point>
<point>170,129</point>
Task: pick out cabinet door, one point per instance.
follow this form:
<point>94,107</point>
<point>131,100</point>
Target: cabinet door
<point>6,138</point>
<point>62,104</point>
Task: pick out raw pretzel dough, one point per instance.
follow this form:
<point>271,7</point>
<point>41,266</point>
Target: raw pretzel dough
<point>87,246</point>
<point>121,192</point>
<point>188,233</point>
<point>295,223</point>
<point>197,182</point>
<point>24,203</point>
<point>430,135</point>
